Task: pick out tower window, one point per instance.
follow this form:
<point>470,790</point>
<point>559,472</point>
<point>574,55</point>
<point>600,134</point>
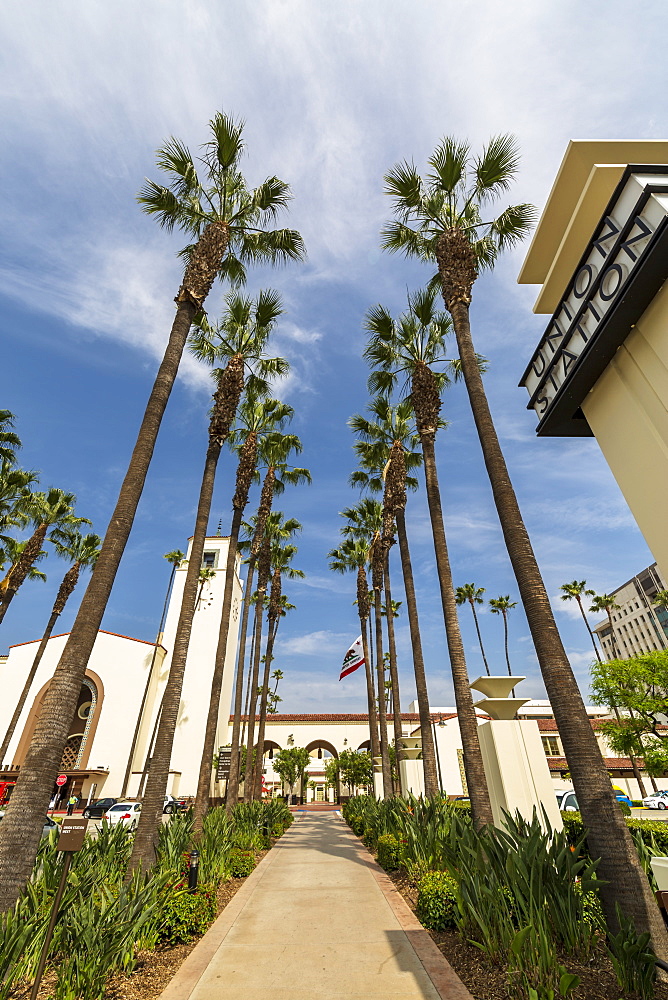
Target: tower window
<point>209,560</point>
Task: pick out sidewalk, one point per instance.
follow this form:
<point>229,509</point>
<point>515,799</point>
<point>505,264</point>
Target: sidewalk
<point>317,920</point>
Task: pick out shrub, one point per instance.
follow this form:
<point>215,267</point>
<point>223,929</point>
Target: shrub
<point>625,808</point>
<point>652,832</point>
<point>437,901</point>
<point>369,838</point>
<point>241,863</point>
<point>389,849</point>
<point>185,915</point>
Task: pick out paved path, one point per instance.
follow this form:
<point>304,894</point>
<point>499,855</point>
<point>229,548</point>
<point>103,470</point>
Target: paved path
<point>317,920</point>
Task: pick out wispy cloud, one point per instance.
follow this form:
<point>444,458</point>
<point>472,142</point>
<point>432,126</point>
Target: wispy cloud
<point>321,642</point>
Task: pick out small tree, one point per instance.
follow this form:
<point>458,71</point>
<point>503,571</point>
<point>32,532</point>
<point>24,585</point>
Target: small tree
<point>332,775</point>
<point>290,765</point>
<point>356,768</point>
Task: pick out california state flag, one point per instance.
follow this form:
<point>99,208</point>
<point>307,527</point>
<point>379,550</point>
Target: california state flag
<point>353,659</point>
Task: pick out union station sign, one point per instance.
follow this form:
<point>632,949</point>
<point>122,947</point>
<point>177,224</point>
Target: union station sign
<point>618,275</point>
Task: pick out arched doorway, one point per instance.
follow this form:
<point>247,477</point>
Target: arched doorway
<point>320,788</point>
<point>80,727</point>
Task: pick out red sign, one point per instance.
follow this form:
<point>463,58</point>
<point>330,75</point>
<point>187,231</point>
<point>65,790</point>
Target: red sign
<point>61,780</point>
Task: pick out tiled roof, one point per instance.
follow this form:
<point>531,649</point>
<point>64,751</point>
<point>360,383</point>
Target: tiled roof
<point>611,763</point>
<point>102,631</point>
<point>345,717</point>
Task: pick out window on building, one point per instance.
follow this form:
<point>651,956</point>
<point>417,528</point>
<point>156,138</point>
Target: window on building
<point>209,560</point>
<point>551,746</point>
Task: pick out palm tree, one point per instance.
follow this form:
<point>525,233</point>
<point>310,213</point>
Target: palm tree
<point>353,554</point>
<point>442,222</point>
<point>607,603</point>
<point>275,451</point>
<point>472,595</point>
<point>258,418</point>
<point>575,591</point>
<point>52,511</point>
<point>10,442</point>
<point>239,341</point>
<point>174,558</point>
<point>392,434</point>
<point>206,574</point>
<point>501,606</point>
<point>414,347</point>
<point>274,525</point>
<point>365,523</point>
<point>230,226</point>
<point>15,498</point>
<point>278,606</point>
<point>81,551</point>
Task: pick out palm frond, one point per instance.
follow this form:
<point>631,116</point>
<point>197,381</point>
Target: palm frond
<point>227,144</point>
<point>175,159</point>
<point>271,196</point>
<point>156,199</point>
<point>396,236</point>
<point>496,167</point>
<point>232,271</point>
<point>381,382</point>
<point>404,183</point>
<point>275,247</point>
<point>448,162</point>
<point>513,225</point>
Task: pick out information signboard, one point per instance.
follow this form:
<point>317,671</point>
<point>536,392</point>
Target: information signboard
<point>72,833</point>
<point>224,759</point>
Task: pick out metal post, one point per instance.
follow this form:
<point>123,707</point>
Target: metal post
<point>193,871</point>
<point>52,923</point>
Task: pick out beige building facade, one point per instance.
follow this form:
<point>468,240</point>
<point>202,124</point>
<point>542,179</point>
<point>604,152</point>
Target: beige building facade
<point>636,626</point>
<point>600,253</point>
<point>111,729</point>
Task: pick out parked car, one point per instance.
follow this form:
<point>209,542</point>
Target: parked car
<point>657,800</point>
<point>172,805</point>
<point>567,801</point>
<point>126,813</point>
<point>97,809</point>
<point>49,824</point>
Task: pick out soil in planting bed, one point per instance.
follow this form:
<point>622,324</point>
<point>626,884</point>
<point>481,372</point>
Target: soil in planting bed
<point>488,982</point>
<point>154,969</point>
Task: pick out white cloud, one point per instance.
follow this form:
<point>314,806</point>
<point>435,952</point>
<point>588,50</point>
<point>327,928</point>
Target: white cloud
<point>320,643</point>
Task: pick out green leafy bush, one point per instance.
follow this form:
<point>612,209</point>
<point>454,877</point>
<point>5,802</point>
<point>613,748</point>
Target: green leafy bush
<point>389,849</point>
<point>369,838</point>
<point>437,901</point>
<point>241,862</point>
<point>632,959</point>
<point>185,915</point>
<point>652,832</point>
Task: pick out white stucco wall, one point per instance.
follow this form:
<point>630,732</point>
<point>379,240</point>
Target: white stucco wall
<point>121,663</point>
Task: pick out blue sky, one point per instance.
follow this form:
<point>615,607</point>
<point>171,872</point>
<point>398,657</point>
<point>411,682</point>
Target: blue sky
<point>333,94</point>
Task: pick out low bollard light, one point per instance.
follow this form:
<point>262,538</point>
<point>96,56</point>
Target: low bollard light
<point>193,870</point>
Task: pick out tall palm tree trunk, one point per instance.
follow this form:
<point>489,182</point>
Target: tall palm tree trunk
<point>226,400</point>
<point>21,827</point>
<point>466,716</point>
<point>28,684</point>
<point>204,781</point>
<point>615,644</point>
<point>388,790</point>
<point>232,789</point>
<point>19,572</point>
<point>591,634</point>
<point>145,842</point>
<point>140,714</point>
<point>505,641</point>
<point>394,673</point>
<point>477,628</point>
<point>370,692</point>
<point>261,729</point>
<point>608,836</point>
<point>431,784</point>
<point>252,702</point>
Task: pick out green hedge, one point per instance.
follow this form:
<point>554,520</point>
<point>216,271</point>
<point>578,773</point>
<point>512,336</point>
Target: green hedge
<point>186,915</point>
<point>653,832</point>
<point>437,901</point>
<point>242,863</point>
<point>388,852</point>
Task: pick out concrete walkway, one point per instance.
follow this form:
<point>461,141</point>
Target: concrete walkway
<point>317,920</point>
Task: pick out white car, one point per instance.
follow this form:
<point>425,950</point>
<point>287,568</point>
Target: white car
<point>126,813</point>
<point>657,800</point>
<point>567,801</point>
